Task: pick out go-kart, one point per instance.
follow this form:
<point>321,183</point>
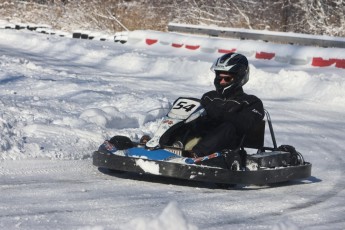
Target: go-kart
<point>167,153</point>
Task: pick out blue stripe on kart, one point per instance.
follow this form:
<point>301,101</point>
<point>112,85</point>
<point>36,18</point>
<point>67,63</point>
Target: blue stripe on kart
<point>158,154</point>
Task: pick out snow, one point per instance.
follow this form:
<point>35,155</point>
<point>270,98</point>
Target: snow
<point>149,167</point>
<point>61,97</point>
<point>171,218</point>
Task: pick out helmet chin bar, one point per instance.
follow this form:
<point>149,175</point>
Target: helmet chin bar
<point>228,88</point>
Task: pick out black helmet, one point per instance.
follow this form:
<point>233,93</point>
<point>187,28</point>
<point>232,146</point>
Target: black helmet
<point>234,64</point>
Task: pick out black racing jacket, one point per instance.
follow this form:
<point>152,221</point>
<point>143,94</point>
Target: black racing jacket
<point>242,110</point>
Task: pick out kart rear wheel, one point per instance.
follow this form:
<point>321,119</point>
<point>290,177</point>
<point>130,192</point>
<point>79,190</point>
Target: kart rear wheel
<point>233,161</point>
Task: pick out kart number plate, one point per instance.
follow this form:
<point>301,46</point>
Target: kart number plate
<point>183,108</point>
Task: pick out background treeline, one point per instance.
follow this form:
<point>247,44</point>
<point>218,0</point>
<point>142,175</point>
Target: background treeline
<point>323,17</point>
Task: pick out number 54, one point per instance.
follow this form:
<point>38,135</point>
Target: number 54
<point>184,105</point>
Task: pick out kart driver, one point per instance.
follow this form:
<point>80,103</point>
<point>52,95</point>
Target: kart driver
<point>231,113</point>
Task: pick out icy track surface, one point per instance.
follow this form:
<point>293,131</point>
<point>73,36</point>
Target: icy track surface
<point>60,98</point>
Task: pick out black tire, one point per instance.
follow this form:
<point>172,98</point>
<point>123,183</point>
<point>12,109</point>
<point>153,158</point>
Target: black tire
<point>121,142</point>
<point>234,163</point>
<point>76,35</point>
<point>296,158</point>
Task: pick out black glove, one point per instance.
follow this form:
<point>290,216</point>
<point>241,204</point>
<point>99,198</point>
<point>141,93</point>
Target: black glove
<point>213,104</point>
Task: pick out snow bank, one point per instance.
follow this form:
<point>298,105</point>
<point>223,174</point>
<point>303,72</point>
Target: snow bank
<point>10,142</point>
<point>281,53</point>
<point>171,218</point>
<point>61,97</point>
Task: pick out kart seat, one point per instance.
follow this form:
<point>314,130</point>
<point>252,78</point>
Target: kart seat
<point>255,137</point>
